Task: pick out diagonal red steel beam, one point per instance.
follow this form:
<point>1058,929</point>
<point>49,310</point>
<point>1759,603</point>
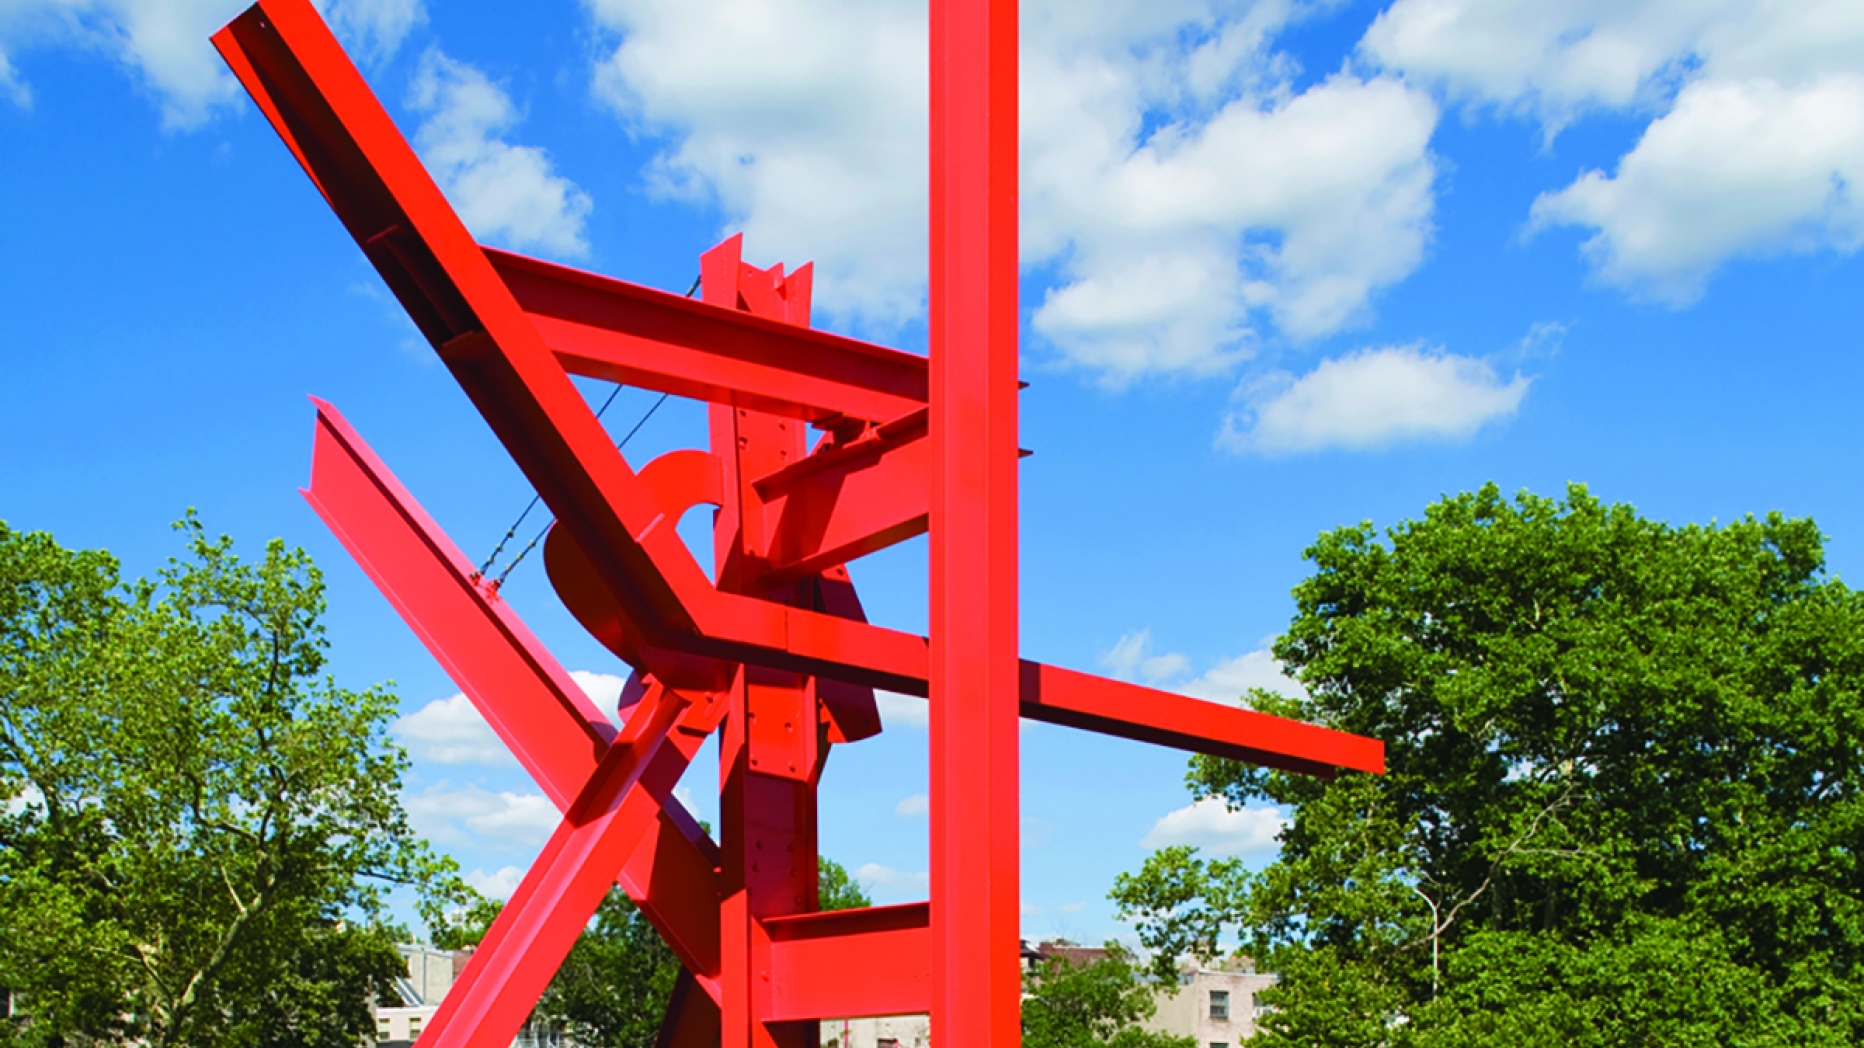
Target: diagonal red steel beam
<point>600,327</point>
<point>526,944</point>
<point>536,709</point>
<point>294,68</point>
<point>684,629</point>
<point>679,627</point>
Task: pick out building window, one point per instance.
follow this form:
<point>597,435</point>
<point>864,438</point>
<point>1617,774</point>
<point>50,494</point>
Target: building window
<point>887,1042</point>
<point>1218,1044</point>
<point>1219,1006</point>
<point>414,1027</point>
<point>383,1028</point>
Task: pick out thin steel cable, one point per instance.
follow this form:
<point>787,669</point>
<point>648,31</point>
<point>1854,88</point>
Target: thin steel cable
<point>535,539</point>
<point>512,532</point>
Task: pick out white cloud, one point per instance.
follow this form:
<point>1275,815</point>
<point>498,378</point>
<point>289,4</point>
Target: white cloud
<point>1229,679</point>
<point>451,814</point>
<point>1174,181</point>
<point>1758,133</point>
<point>603,689</point>
<point>1132,658</point>
<point>1552,59</point>
<point>375,28</point>
<point>164,43</point>
<point>1212,827</point>
<point>506,193</point>
<point>12,88</point>
<point>1171,245</point>
<point>804,119</point>
<point>496,885</point>
<point>1370,399</point>
<point>1735,168</point>
<point>911,807</point>
<point>451,731</point>
<point>887,883</point>
<point>902,711</point>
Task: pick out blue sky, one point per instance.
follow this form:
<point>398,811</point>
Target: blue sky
<point>1289,266</point>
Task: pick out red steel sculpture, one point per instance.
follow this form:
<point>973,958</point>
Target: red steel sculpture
<point>776,655</point>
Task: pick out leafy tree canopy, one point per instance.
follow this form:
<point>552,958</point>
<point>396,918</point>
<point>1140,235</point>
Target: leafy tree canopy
<point>613,988</point>
<point>836,889</point>
<point>1095,1005</point>
<point>202,825</point>
<point>1623,802</point>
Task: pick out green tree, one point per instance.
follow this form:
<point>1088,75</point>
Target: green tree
<point>1094,1005</point>
<point>203,825</point>
<point>1623,800</point>
<point>836,889</point>
<point>613,988</point>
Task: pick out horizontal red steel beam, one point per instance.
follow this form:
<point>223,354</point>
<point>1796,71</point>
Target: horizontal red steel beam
<point>1111,707</point>
<point>536,709</point>
<point>847,963</point>
<point>682,628</point>
<point>611,329</point>
<point>685,628</point>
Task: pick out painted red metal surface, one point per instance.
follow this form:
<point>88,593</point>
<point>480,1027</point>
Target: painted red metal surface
<point>973,319</point>
<point>770,650</point>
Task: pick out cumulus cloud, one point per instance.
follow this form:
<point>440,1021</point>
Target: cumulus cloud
<point>164,43</point>
<point>1132,658</point>
<point>1211,826</point>
<point>1555,60</point>
<point>1230,679</point>
<point>375,28</point>
<point>805,120</point>
<point>451,731</point>
<point>1735,168</point>
<point>503,192</point>
<point>1173,181</point>
<point>887,883</point>
<point>911,807</point>
<point>902,711</point>
<point>12,88</point>
<point>1370,399</point>
<point>1757,137</point>
<point>1170,245</point>
<point>603,689</point>
<point>498,884</point>
<point>451,814</point>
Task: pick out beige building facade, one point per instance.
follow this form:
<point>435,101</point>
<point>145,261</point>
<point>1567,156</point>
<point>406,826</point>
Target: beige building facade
<point>1214,1005</point>
<point>886,1031</point>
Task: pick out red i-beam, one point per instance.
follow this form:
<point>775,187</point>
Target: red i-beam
<point>977,980</point>
<point>770,649</point>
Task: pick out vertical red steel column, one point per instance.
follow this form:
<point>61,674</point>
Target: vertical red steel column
<point>770,751</point>
<point>974,328</point>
